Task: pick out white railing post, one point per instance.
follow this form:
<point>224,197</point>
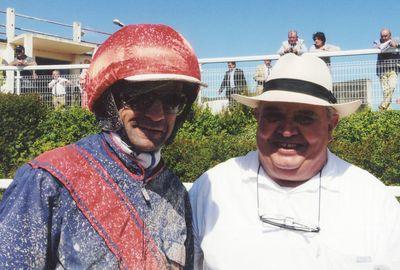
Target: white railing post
<point>76,31</point>
<point>18,78</point>
<point>10,24</point>
<point>28,44</point>
<point>199,96</point>
<point>9,51</point>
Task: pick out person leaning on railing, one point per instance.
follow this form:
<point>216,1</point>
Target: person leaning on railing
<point>320,45</point>
<point>293,44</point>
<point>387,66</point>
<point>22,60</point>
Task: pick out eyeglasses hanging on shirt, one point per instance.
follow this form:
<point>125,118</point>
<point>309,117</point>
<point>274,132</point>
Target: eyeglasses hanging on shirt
<point>289,222</point>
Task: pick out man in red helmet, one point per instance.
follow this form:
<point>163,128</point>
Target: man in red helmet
<point>107,201</point>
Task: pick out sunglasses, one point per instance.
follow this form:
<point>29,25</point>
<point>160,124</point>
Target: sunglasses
<point>172,102</point>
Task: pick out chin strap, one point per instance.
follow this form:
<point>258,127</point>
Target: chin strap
<point>149,160</point>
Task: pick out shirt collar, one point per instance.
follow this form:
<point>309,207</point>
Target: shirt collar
<point>148,161</point>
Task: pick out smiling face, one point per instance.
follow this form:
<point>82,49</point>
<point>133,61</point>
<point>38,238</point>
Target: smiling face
<point>149,119</point>
<point>292,139</point>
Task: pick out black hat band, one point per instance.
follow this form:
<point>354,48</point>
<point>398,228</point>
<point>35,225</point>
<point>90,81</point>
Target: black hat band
<point>300,86</point>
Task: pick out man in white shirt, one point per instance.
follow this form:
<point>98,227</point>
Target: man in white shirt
<point>58,88</point>
<point>292,204</point>
<point>293,44</point>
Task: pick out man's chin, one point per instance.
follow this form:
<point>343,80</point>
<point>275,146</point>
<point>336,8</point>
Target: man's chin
<point>286,168</point>
<point>146,147</point>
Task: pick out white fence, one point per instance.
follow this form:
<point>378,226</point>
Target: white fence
<point>353,72</point>
<point>354,76</point>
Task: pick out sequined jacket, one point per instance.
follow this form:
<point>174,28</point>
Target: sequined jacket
<point>47,223</point>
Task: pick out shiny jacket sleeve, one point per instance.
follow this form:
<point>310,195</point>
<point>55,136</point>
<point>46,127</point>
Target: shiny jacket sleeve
<point>28,225</point>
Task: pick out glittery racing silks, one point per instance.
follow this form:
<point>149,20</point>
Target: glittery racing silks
<point>89,205</point>
<point>138,53</point>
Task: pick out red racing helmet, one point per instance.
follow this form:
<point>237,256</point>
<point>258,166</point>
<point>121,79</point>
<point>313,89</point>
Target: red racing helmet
<point>143,52</point>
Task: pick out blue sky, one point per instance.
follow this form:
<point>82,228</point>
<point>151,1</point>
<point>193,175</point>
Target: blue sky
<point>224,28</point>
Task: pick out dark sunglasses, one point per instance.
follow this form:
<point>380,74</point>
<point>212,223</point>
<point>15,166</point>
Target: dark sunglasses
<point>172,102</point>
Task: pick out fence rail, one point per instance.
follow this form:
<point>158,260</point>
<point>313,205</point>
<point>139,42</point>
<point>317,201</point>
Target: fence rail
<point>354,76</point>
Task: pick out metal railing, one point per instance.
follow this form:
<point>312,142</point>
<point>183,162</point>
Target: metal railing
<point>78,31</point>
<point>74,94</point>
<point>353,72</point>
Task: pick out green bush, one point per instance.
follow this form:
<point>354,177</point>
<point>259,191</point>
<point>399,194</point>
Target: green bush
<point>30,128</point>
<point>206,140</point>
<point>20,116</point>
<point>371,140</point>
<point>64,126</point>
<point>368,139</point>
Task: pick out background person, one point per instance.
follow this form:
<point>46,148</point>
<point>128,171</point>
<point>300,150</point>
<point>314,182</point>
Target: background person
<point>233,82</point>
<point>261,75</point>
<point>22,60</point>
<point>3,62</point>
<point>108,201</point>
<point>293,44</point>
<point>387,66</point>
<point>321,45</point>
<point>58,87</point>
<point>82,83</point>
<point>293,204</point>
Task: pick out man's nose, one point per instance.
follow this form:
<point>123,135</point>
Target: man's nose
<point>156,111</point>
<point>288,128</point>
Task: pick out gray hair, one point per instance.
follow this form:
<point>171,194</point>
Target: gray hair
<point>330,111</point>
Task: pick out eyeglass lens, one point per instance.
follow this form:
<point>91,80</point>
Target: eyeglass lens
<point>173,103</point>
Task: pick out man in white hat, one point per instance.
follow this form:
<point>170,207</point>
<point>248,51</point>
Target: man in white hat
<point>292,204</point>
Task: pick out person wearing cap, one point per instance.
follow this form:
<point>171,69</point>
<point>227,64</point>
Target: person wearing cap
<point>108,201</point>
<point>292,204</point>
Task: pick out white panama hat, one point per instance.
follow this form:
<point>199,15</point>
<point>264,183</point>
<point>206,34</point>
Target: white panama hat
<point>300,79</point>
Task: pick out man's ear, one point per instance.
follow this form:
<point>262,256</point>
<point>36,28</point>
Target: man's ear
<point>333,122</point>
<point>256,113</point>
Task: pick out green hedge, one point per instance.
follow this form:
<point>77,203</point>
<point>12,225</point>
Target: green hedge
<point>19,118</point>
<point>372,141</point>
<point>206,140</point>
<point>64,126</point>
<point>368,139</point>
